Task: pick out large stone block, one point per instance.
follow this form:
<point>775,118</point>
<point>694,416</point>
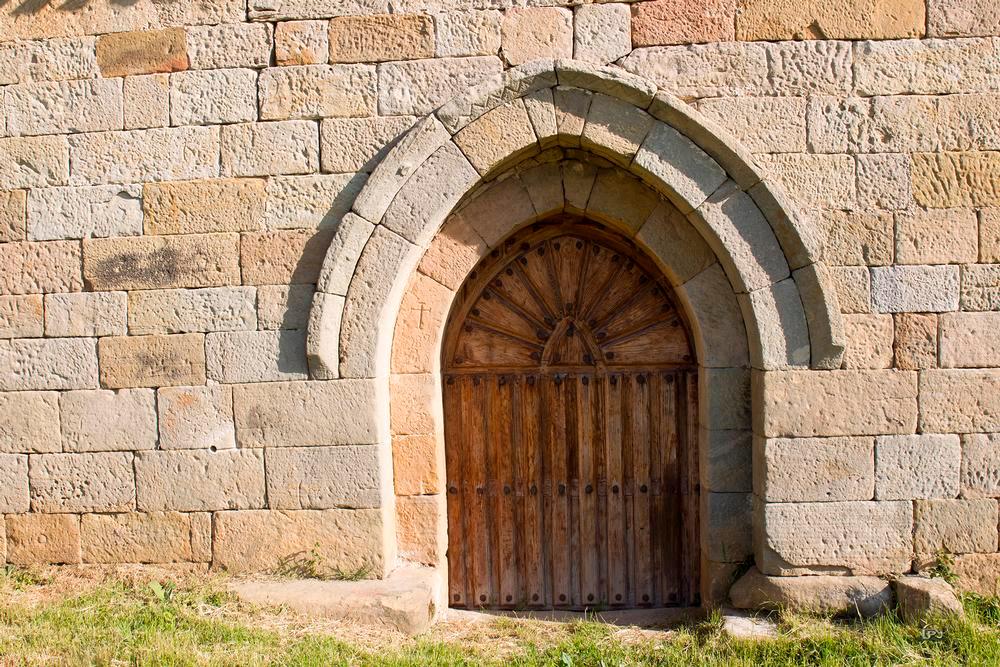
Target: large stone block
<point>944,180</point>
<point>817,67</point>
<point>915,289</point>
<point>926,66</point>
<point>200,480</point>
<point>417,465</point>
<point>689,175</point>
<point>916,343</point>
<point>417,87</point>
<point>967,123</point>
<point>981,465</point>
<point>367,39</point>
<point>142,52</point>
<point>34,162</point>
<point>102,420</point>
<point>726,518</point>
<point>959,401</point>
<point>842,537</point>
<point>53,363</point>
<point>186,311</point>
<point>156,537</point>
<point>161,262</point>
<point>917,466</point>
<point>834,403</point>
<point>197,207</point>
<point>43,539</point>
<point>251,541</point>
<point>824,595</point>
<point>229,45</point>
<point>615,129</point>
<point>814,469</point>
<point>302,42</point>
<point>958,18</point>
<point>979,573</point>
<point>357,144</point>
<point>102,482</point>
<point>147,101</point>
<point>969,340</point>
<point>989,234</point>
<point>762,124</point>
<point>720,334</point>
<point>954,526</point>
<point>937,236</point>
<point>152,361</point>
<point>86,314</point>
<point>314,91</point>
<point>823,181</point>
<point>724,398</point>
<point>814,19</point>
<point>681,22</point>
<point>419,325</point>
<point>14,497</point>
<point>494,207</point>
<point>49,59</point>
<point>21,316</point>
<point>63,107</point>
<point>453,252</point>
<point>869,341</point>
<point>497,136</point>
<point>284,306</point>
<point>601,33</point>
<point>264,149</point>
<point>317,478</point>
<point>196,417</point>
<point>134,156</point>
<point>35,268</point>
<point>468,33</point>
<point>421,529</point>
<point>212,97</point>
<point>13,215</point>
<point>310,202</point>
<point>981,287</point>
<point>29,422</point>
<point>776,326</point>
<point>669,236</point>
<point>74,213</point>
<point>256,356</point>
<point>297,414</point>
<point>530,33</point>
<point>627,203</point>
<point>884,181</point>
<point>263,10</point>
<point>284,257</point>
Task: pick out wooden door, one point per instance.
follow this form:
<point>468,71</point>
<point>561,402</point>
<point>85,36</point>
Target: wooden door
<point>570,428</point>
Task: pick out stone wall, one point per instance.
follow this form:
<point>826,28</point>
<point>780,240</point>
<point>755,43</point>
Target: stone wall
<point>173,174</point>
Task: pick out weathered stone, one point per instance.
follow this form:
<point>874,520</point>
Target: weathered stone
<point>21,316</point>
<point>302,42</point>
<point>601,33</point>
<point>884,181</point>
<point>209,97</point>
<point>869,341</point>
<point>467,33</point>
<point>310,202</point>
<point>981,287</point>
<point>727,69</point>
<point>146,52</point>
<point>942,180</point>
<point>823,595</point>
<point>146,101</point>
<point>54,363</point>
<point>345,248</point>
<point>497,136</point>
<point>989,234</point>
<point>29,422</point>
<point>925,66</point>
<point>818,295</point>
<point>416,87</point>
<point>414,396</point>
<point>959,401</point>
<point>160,262</point>
<point>283,257</point>
<point>417,465</point>
<point>720,334</point>
<point>134,156</point>
<point>34,162</point>
<point>302,414</point>
<point>196,418</point>
<point>316,478</point>
<point>954,526</point>
<point>680,22</point>
<point>727,518</point>
<point>915,289</point>
<point>313,91</point>
<point>969,340</point>
<point>284,306</point>
<point>102,482</point>
<point>530,33</point>
<point>981,465</point>
<point>833,403</point>
<point>979,573</point>
<point>815,67</point>
<point>102,420</point>
<point>917,466</point>
<point>922,599</point>
<point>453,252</point>
<point>896,124</point>
<point>814,19</point>
<point>858,238</point>
<point>966,123</point>
<point>14,483</point>
<point>814,469</point>
<point>193,207</point>
<point>264,149</point>
<point>264,10</point>
<point>670,237</point>
<point>229,45</point>
<point>13,215</point>
<point>783,346</point>
<point>252,541</point>
<point>495,208</point>
<point>419,325</point>
<point>31,268</point>
<point>958,18</point>
<point>937,236</point>
<point>421,528</point>
<point>186,311</point>
<point>84,212</point>
<point>322,346</point>
<point>157,537</point>
<point>916,344</point>
<point>724,398</point>
<point>200,480</point>
<point>41,539</point>
<point>824,181</point>
<point>357,144</point>
<point>843,537</point>
<point>571,106</point>
<point>687,173</point>
<point>615,129</point>
<point>152,361</point>
<point>50,59</point>
<point>367,39</point>
<point>86,314</point>
<point>627,203</point>
<point>256,356</point>
<point>63,107</point>
<point>763,124</point>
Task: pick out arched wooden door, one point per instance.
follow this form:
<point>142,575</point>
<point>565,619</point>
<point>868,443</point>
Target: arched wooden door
<point>570,428</point>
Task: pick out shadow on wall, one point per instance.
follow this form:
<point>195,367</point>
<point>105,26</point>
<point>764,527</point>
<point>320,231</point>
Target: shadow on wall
<point>34,6</point>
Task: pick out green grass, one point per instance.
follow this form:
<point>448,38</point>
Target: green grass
<point>143,623</point>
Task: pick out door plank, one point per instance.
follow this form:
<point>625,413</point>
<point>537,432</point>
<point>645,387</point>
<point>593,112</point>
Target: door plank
<point>455,459</point>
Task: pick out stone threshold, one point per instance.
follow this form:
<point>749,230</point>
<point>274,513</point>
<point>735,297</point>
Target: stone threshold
<point>664,617</point>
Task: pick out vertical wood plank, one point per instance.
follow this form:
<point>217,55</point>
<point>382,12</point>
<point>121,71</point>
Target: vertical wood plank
<point>690,489</point>
<point>535,534</point>
<point>617,550</point>
<point>642,443</point>
<point>668,525</point>
<point>505,446</point>
<point>479,533</point>
<point>587,498</point>
<point>560,535</point>
<point>457,489</point>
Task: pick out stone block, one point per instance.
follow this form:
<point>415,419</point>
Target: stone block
<point>262,10</point>
<point>884,181</point>
<point>922,600</point>
<point>969,340</point>
<point>304,414</point>
<point>530,33</point>
<point>322,345</point>
<point>823,594</point>
<point>29,422</point>
<point>627,203</point>
<point>688,174</point>
<point>725,460</point>
<point>893,124</point>
<point>959,18</point>
<point>817,67</point>
<point>937,236</point>
<point>540,106</point>
<point>960,401</point>
<point>421,528</point>
<point>317,478</point>
<point>834,403</point>
<point>284,257</point>
<point>315,91</point>
<point>74,213</point>
<point>915,288</point>
<point>198,207</point>
<point>916,343</point>
<point>615,129</point>
<point>142,52</point>
<point>453,252</point>
<point>256,356</point>
<point>853,537</point>
<point>102,420</point>
<point>229,45</point>
<point>979,573</point>
<point>156,537</point>
<point>672,239</point>
<point>981,287</point>
<point>343,252</point>
<point>467,33</point>
<point>13,215</point>
<point>720,334</point>
<point>135,156</point>
<point>33,268</point>
<point>601,33</point>
<point>419,325</point>
<point>417,465</point>
<point>357,144</point>
<point>101,482</point>
<point>21,316</point>
<point>818,294</point>
<point>62,107</point>
<point>83,314</point>
<point>52,58</point>
<point>727,518</point>
<point>255,541</point>
<point>284,306</point>
<point>302,42</point>
<point>43,539</point>
<point>52,363</point>
<point>966,122</point>
<point>417,87</point>
<point>724,398</point>
<point>152,361</point>
<point>211,97</point>
<point>493,209</point>
<point>196,417</point>
<point>497,136</point>
<point>146,101</point>
<point>989,234</point>
<point>823,181</point>
<point>814,469</point>
<point>367,39</point>
<point>161,262</point>
<point>414,401</point>
<point>855,19</point>
<point>727,69</point>
<point>680,22</point>
<point>925,66</point>
<point>857,238</point>
<point>943,180</point>
<point>14,497</point>
<point>264,149</point>
<point>34,162</point>
<point>869,341</point>
<point>917,466</point>
<point>187,311</point>
<point>776,326</point>
<point>981,465</point>
<point>954,526</point>
<point>571,106</point>
<point>310,202</point>
<point>762,124</point>
<point>200,480</point>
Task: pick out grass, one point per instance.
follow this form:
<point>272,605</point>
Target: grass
<point>111,619</point>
